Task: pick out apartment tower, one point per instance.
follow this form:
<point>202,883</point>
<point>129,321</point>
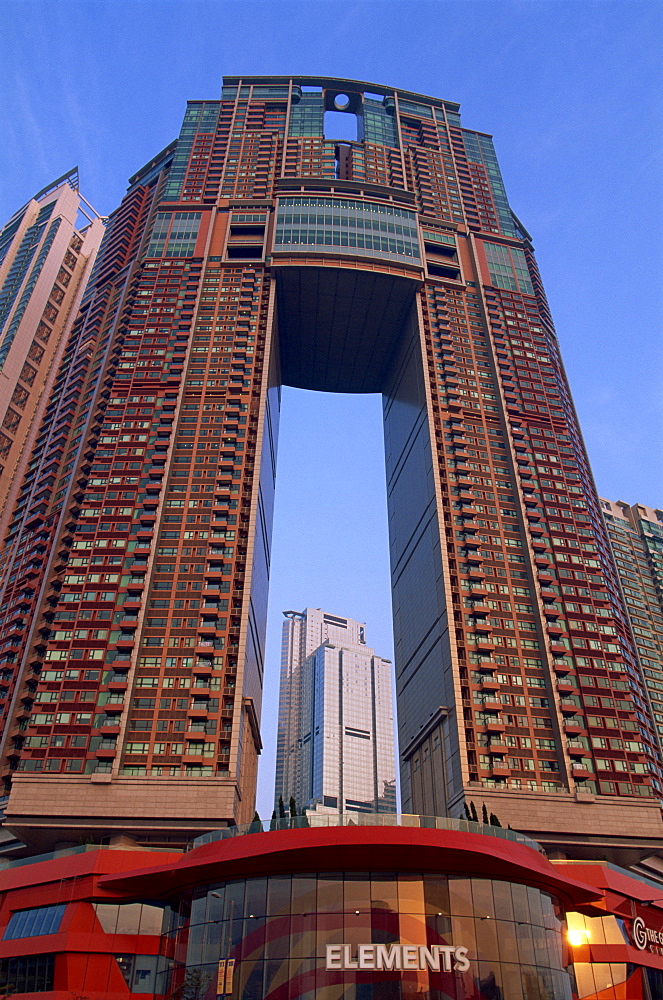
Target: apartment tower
<point>47,249</point>
<point>254,252</point>
<point>636,535</point>
<point>335,740</point>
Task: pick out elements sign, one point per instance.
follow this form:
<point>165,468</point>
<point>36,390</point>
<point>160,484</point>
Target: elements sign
<point>399,957</point>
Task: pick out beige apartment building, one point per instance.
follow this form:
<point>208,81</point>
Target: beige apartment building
<point>47,250</point>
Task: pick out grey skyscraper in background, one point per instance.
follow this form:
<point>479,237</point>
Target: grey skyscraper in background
<point>335,747</point>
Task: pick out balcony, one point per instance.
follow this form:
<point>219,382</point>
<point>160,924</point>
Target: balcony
<point>475,572</point>
<point>118,683</point>
<point>198,707</point>
<point>126,642</point>
<point>568,707</point>
<point>565,686</point>
<point>557,649</point>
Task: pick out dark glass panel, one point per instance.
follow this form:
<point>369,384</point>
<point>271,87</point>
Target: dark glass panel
<point>486,932</point>
<point>253,943</point>
<point>234,901</point>
<point>411,893</point>
<point>255,901</point>
<point>277,936</point>
<point>482,895</point>
<point>535,909</point>
<point>303,899</point>
<point>503,901</point>
<point>278,896</point>
<point>525,944</point>
<point>460,897</point>
<point>384,892</point>
<point>506,938</point>
<point>302,935</point>
<point>356,894</point>
<point>330,893</point>
<point>512,982</point>
<point>436,895</point>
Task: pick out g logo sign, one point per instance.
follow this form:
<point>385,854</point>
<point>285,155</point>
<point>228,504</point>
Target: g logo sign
<point>639,933</point>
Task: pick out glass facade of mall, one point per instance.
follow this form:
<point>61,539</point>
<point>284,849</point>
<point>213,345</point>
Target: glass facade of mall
<point>277,931</point>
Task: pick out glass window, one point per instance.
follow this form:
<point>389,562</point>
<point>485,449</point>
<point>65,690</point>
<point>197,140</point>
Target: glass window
<point>33,923</point>
<point>28,974</point>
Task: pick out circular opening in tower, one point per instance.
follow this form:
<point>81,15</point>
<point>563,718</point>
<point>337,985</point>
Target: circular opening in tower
<point>341,102</point>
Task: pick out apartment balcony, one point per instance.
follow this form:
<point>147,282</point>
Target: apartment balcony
<point>119,683</point>
<point>568,707</point>
<point>475,571</point>
<point>198,710</point>
<point>126,642</point>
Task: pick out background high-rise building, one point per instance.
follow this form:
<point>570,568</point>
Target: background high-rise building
<point>47,250</point>
<point>636,535</point>
<point>253,252</point>
<point>335,749</point>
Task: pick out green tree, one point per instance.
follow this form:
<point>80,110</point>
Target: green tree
<point>282,813</point>
<point>494,820</point>
<point>272,822</point>
<point>473,809</point>
<point>293,807</point>
<point>484,815</point>
<point>468,814</point>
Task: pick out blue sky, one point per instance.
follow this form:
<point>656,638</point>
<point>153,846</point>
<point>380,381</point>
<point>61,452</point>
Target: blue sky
<point>570,90</point>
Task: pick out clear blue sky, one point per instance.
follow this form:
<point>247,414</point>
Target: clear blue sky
<point>570,90</point>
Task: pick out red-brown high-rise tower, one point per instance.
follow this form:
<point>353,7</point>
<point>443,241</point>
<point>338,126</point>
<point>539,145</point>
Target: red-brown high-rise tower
<point>251,253</point>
